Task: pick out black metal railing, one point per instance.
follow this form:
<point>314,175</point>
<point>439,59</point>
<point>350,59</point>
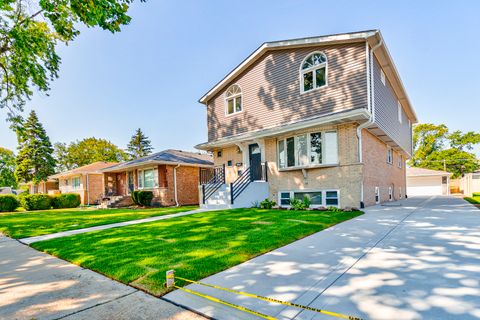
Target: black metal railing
<point>248,176</point>
<point>206,174</point>
<point>215,182</point>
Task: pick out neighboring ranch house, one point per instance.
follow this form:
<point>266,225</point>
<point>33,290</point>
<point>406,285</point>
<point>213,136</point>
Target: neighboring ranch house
<point>427,182</point>
<point>172,175</point>
<point>87,181</point>
<point>44,187</point>
<point>325,117</point>
<point>470,183</point>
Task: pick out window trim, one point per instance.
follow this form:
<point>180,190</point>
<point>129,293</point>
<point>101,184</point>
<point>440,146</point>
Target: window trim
<point>297,166</point>
<point>400,161</point>
<point>390,193</point>
<point>399,112</point>
<point>382,77</point>
<point>389,151</point>
<point>234,97</point>
<point>74,187</point>
<point>377,195</point>
<point>312,69</point>
<point>142,170</point>
<point>324,197</point>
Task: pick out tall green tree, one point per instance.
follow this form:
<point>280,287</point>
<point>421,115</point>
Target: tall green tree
<point>139,145</point>
<point>89,150</point>
<point>60,153</point>
<point>7,168</point>
<point>30,31</point>
<point>438,149</point>
<point>35,152</point>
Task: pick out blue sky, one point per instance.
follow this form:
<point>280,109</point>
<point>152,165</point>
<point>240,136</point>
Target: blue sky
<point>152,73</point>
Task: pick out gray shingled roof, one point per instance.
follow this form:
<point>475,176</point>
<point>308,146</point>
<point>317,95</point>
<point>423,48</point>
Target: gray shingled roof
<point>167,156</point>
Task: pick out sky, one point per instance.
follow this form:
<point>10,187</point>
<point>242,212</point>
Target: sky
<point>151,75</point>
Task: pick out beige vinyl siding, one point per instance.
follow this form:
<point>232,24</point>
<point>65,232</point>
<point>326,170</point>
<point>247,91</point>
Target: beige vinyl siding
<point>271,90</point>
<point>386,111</point>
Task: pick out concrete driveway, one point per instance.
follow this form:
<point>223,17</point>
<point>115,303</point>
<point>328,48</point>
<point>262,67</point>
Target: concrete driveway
<point>35,285</point>
<point>414,259</point>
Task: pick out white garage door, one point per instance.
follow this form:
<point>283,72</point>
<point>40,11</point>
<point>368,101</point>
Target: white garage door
<point>424,186</point>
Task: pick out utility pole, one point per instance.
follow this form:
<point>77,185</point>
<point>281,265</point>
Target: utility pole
<point>444,165</point>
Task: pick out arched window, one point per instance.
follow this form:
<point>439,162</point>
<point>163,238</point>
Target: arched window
<point>313,72</point>
<point>233,98</point>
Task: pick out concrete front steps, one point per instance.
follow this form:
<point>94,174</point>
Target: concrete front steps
<point>256,191</point>
<point>116,202</point>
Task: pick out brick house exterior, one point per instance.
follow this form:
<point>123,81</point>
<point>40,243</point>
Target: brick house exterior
<point>172,175</point>
<point>325,117</point>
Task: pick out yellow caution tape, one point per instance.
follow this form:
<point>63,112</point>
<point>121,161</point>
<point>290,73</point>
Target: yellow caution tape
<point>330,313</point>
<point>258,314</point>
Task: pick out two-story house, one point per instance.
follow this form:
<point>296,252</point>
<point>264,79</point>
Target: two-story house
<point>325,117</point>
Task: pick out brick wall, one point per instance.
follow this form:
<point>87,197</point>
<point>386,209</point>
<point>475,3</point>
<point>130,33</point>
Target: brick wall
<point>95,188</point>
<point>378,173</point>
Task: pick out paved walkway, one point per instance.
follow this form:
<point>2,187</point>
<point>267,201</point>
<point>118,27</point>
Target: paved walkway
<point>35,285</point>
<point>106,226</point>
<point>420,260</point>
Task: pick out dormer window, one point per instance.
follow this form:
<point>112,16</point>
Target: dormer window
<point>233,98</point>
<point>313,72</point>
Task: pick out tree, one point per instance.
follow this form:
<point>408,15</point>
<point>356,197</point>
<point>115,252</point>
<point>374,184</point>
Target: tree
<point>60,154</point>
<point>30,32</point>
<point>34,161</point>
<point>139,146</point>
<point>435,148</point>
<point>91,150</point>
<point>7,168</point>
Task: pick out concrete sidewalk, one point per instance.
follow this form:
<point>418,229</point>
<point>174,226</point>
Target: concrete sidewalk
<point>420,260</point>
<point>35,285</point>
<point>106,226</point>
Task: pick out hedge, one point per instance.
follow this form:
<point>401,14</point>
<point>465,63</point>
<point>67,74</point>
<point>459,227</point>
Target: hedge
<point>8,202</point>
<point>36,202</point>
<point>142,198</point>
<point>66,200</point>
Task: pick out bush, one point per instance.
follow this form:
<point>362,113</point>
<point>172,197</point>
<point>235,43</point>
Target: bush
<point>8,202</point>
<point>134,197</point>
<point>297,204</point>
<point>476,194</point>
<point>144,198</point>
<point>267,204</point>
<point>334,209</point>
<point>66,200</point>
<point>36,202</point>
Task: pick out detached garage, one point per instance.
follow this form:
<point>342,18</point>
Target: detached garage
<point>426,182</point>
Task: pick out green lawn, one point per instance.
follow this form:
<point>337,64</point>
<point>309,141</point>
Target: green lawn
<point>475,199</point>
<point>195,246</point>
<point>36,223</point>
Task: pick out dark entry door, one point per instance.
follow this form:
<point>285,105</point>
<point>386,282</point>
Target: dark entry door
<point>131,185</point>
<point>255,162</point>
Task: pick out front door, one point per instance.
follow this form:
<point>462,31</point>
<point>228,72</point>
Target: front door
<point>130,184</point>
<point>255,162</point>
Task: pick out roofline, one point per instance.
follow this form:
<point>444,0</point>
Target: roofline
<point>154,162</point>
<point>361,36</point>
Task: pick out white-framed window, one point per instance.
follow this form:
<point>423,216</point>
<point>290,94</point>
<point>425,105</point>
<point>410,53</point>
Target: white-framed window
<point>399,111</point>
<point>400,161</point>
<point>377,195</point>
<point>147,178</point>
<point>313,72</point>
<point>308,149</point>
<point>399,192</point>
<point>390,194</point>
<point>233,100</point>
<point>389,155</point>
<point>382,77</point>
<point>76,182</point>
<point>318,198</point>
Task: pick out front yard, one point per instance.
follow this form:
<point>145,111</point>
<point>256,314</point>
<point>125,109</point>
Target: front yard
<point>474,199</point>
<point>35,223</point>
<point>195,246</point>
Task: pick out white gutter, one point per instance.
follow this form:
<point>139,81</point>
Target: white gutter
<point>175,184</point>
<point>370,104</point>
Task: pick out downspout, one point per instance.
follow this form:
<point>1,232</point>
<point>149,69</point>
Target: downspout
<point>370,106</point>
<point>175,184</point>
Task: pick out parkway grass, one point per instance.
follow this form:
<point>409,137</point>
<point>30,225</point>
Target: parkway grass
<point>35,223</point>
<point>195,246</point>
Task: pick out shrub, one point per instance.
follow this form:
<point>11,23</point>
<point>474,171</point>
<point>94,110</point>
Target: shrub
<point>334,209</point>
<point>255,204</point>
<point>8,202</point>
<point>476,194</point>
<point>66,200</point>
<point>134,197</point>
<point>36,202</point>
<point>267,204</point>
<point>297,204</point>
<point>144,198</point>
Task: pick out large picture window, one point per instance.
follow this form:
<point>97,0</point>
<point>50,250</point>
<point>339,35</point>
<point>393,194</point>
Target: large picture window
<point>313,73</point>
<point>76,183</point>
<point>233,98</point>
<point>308,149</point>
<point>148,178</point>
